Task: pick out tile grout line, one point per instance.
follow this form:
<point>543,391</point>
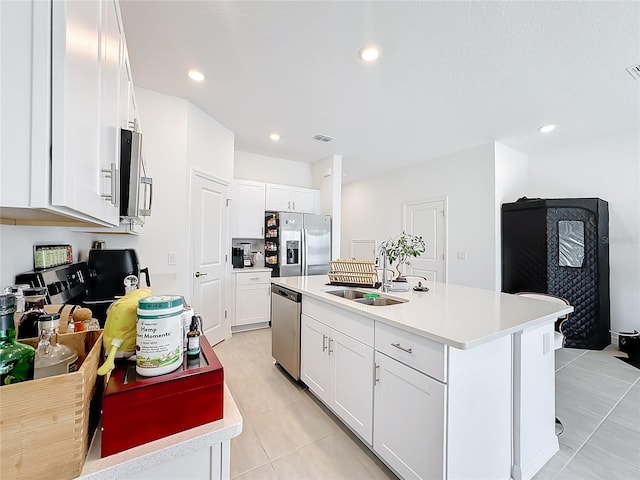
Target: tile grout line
<point>597,427</point>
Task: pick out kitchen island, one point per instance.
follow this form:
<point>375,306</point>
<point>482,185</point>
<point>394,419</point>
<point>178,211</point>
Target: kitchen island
<point>456,382</point>
<point>199,453</point>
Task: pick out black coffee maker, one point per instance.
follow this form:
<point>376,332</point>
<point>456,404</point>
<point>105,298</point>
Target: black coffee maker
<point>237,257</point>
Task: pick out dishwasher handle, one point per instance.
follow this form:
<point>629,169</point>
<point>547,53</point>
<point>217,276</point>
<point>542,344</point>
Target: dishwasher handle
<point>286,293</point>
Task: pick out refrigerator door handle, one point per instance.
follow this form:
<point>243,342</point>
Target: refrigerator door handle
<point>305,253</point>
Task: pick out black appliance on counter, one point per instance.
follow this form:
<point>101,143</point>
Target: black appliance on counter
<point>107,271</point>
<point>561,247</point>
<point>65,284</point>
<point>237,257</point>
<point>94,284</point>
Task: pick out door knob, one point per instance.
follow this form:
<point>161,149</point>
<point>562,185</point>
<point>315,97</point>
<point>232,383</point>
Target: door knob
<point>198,274</point>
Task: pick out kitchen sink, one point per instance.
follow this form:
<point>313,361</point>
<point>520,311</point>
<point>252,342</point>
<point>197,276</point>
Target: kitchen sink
<point>380,301</point>
<point>348,294</point>
<point>374,299</point>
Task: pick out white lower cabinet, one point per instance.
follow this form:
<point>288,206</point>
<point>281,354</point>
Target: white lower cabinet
<point>252,299</point>
<point>429,411</point>
<point>210,463</point>
<point>409,419</point>
<point>338,369</point>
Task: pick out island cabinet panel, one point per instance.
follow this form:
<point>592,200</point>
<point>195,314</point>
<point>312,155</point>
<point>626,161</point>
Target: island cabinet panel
<point>409,418</point>
<point>352,383</point>
<point>314,359</point>
<point>337,367</point>
<point>418,352</point>
<point>197,464</point>
<point>351,324</point>
<point>479,410</point>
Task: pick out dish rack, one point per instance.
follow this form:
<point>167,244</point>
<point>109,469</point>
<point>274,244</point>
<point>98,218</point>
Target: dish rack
<point>353,272</point>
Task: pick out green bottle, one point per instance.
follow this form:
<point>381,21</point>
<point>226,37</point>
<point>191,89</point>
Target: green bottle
<point>16,359</point>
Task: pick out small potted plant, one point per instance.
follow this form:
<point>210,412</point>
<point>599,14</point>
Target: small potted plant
<point>399,249</point>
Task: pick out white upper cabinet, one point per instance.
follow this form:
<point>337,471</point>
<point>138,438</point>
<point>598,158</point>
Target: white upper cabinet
<point>65,72</point>
<point>303,200</point>
<point>247,209</point>
<point>284,198</point>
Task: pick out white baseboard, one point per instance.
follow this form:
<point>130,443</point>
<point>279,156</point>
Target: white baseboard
<point>533,466</point>
<point>252,326</point>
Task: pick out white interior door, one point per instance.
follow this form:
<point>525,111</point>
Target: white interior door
<point>209,246</point>
<point>427,218</point>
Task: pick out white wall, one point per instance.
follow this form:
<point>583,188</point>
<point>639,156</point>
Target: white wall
<point>372,209</point>
<point>608,168</point>
<point>164,128</point>
<point>261,168</point>
<point>511,177</point>
<point>209,144</point>
<point>16,247</point>
<point>177,137</point>
<point>327,177</point>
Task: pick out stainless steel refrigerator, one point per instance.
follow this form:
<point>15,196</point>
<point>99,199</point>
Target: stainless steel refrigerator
<point>297,243</point>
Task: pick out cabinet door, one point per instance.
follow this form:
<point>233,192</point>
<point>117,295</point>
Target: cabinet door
<point>76,161</point>
<point>303,200</point>
<point>252,303</point>
<point>409,419</point>
<point>111,46</point>
<point>352,383</point>
<point>278,198</point>
<point>126,88</point>
<point>314,359</point>
<point>247,209</point>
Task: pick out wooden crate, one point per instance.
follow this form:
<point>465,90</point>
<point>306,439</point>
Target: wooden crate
<point>44,423</point>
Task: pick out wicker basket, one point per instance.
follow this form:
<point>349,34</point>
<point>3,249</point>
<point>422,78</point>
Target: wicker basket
<point>356,272</point>
<point>45,422</point>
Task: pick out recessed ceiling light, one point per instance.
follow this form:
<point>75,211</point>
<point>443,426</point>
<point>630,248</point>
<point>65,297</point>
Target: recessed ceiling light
<point>547,128</point>
<point>274,136</point>
<point>369,54</point>
<point>196,75</point>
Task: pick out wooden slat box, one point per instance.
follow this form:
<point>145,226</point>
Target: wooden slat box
<point>44,423</point>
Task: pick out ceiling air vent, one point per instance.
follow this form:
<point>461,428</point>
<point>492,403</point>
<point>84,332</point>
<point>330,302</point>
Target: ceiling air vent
<point>322,138</point>
<point>634,71</point>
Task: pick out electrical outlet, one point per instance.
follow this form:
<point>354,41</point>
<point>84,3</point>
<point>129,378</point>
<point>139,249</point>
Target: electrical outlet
<point>462,255</point>
<point>171,258</point>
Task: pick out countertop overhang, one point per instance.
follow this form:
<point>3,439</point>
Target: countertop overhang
<point>455,315</point>
<point>142,457</point>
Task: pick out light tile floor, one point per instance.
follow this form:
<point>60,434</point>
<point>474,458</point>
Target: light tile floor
<point>288,434</point>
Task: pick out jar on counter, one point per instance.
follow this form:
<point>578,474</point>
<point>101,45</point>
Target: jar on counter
<point>33,310</point>
<point>159,335</point>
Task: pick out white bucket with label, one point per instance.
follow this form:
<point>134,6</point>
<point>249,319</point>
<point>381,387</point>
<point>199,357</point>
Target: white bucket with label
<point>159,339</point>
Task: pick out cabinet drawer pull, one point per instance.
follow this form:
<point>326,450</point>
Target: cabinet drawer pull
<point>254,278</point>
<point>404,349</point>
<point>376,378</point>
<point>330,342</point>
<point>324,342</point>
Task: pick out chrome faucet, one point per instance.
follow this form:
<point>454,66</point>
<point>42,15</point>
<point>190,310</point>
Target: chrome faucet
<point>384,287</point>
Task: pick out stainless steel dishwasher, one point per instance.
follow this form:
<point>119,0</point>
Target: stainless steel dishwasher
<point>286,307</point>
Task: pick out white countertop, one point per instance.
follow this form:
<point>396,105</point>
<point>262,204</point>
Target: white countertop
<point>142,457</point>
<point>462,317</point>
<point>250,270</point>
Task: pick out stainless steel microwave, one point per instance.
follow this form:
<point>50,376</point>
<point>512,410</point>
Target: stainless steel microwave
<point>135,187</point>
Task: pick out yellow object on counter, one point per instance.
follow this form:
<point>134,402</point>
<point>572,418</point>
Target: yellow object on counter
<point>121,323</point>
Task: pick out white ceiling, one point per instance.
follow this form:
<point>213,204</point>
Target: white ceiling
<point>451,75</point>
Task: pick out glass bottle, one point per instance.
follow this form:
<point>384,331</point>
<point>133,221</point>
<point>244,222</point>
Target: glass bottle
<point>33,310</point>
<point>16,359</point>
<point>193,339</point>
<point>53,358</point>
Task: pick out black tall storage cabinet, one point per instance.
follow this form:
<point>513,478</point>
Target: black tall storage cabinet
<point>561,247</point>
